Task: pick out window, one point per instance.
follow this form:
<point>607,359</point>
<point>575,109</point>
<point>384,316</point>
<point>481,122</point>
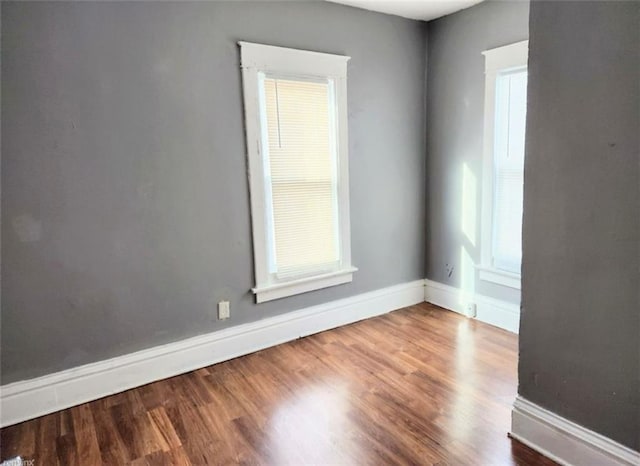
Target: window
<point>503,167</point>
<point>296,123</point>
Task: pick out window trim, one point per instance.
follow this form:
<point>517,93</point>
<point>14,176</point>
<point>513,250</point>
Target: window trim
<point>259,58</point>
<point>499,277</point>
<point>497,60</point>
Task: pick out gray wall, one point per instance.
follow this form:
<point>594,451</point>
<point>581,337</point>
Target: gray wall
<point>580,328</point>
<point>455,122</point>
<point>124,189</point>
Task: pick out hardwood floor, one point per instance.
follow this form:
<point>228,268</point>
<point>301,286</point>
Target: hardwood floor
<point>417,386</point>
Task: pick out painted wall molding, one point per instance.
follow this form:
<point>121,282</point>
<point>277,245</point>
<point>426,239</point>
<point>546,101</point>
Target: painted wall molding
<point>31,398</point>
<point>565,441</point>
<point>492,311</point>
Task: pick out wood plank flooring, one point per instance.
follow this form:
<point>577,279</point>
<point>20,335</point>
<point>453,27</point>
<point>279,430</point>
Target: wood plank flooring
<point>417,386</point>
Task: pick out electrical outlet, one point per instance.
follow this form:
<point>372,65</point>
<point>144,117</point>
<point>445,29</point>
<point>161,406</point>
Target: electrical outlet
<point>223,310</point>
<point>471,310</point>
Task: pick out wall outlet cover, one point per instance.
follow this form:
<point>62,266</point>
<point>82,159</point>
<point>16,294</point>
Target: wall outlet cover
<point>223,310</point>
<point>471,310</point>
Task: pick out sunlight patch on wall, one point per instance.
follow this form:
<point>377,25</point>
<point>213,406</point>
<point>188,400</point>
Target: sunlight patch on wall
<point>467,277</point>
<point>469,202</point>
<point>468,237</point>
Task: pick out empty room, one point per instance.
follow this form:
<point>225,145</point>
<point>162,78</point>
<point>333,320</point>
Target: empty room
<point>308,232</point>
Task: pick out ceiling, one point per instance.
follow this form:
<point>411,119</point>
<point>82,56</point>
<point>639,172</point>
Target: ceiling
<point>424,10</point>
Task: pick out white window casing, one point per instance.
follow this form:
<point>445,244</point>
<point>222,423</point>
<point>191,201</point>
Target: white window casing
<point>296,127</point>
<point>503,158</point>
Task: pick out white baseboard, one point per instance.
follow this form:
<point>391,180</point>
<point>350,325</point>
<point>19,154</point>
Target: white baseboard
<point>564,441</point>
<point>446,296</point>
<point>28,399</point>
<point>492,311</point>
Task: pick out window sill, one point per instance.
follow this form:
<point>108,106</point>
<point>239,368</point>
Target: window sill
<point>303,285</point>
<point>499,277</point>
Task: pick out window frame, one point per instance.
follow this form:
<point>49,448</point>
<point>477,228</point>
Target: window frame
<point>259,59</point>
<point>498,60</point>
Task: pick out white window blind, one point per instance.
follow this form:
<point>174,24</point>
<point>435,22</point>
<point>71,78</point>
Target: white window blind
<point>297,146</point>
<point>509,144</point>
<point>298,132</point>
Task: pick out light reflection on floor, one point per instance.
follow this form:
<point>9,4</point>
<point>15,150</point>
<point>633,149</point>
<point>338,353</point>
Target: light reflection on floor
<point>316,421</point>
